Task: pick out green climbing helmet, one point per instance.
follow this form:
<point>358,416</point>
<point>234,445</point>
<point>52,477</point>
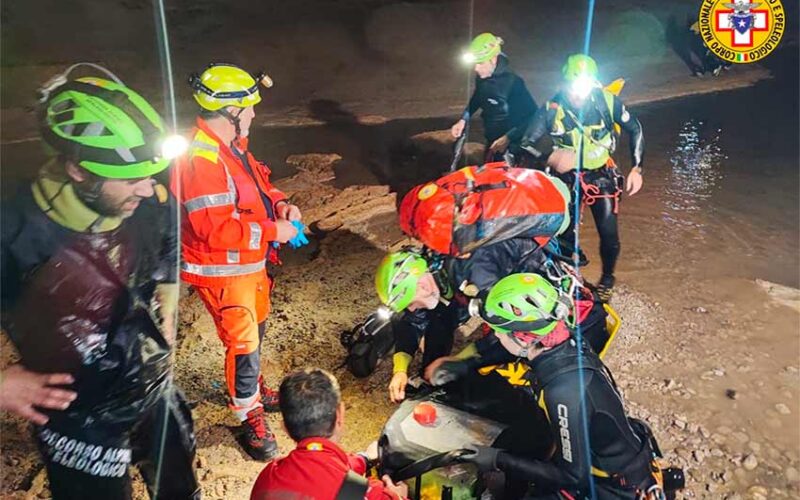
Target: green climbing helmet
<point>524,302</point>
<point>484,47</point>
<point>579,65</point>
<point>397,278</point>
<point>111,130</point>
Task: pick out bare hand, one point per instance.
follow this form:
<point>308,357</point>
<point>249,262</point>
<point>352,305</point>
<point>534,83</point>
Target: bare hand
<point>435,364</point>
<point>288,211</point>
<point>634,183</point>
<point>499,145</point>
<point>285,231</point>
<point>372,451</point>
<point>21,390</point>
<point>458,128</point>
<point>167,298</point>
<point>397,387</point>
<point>400,489</point>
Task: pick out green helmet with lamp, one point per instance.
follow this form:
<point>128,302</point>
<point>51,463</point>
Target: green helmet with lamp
<point>581,75</point>
<point>579,66</point>
<point>397,278</point>
<point>482,48</point>
<point>107,128</point>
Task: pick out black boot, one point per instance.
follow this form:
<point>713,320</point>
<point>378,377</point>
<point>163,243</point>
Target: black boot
<point>605,287</point>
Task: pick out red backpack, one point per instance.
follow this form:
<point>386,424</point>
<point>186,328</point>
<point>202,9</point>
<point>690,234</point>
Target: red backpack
<point>477,206</point>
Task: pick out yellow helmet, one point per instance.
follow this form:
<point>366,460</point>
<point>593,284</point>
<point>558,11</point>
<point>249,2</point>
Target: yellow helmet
<point>222,85</point>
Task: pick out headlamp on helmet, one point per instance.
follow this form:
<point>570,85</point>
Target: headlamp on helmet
<point>482,48</point>
<point>582,86</point>
<point>173,146</point>
<point>222,85</point>
<point>103,125</point>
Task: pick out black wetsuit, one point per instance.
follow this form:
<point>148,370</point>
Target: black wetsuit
<point>608,444</point>
<point>607,181</point>
<point>78,301</point>
<point>505,103</point>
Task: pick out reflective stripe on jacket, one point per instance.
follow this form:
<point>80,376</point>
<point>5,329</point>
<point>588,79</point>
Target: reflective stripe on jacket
<point>228,211</point>
<point>598,138</point>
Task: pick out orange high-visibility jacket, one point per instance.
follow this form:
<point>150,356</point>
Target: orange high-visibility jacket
<point>226,226</point>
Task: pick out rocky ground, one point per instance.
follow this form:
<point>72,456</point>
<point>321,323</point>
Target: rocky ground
<point>711,362</point>
<point>688,379</point>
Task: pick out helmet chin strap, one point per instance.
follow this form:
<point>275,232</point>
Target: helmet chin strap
<point>233,119</point>
<point>517,347</point>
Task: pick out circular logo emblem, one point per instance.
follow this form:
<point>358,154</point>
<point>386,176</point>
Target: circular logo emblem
<point>427,191</point>
<point>741,31</point>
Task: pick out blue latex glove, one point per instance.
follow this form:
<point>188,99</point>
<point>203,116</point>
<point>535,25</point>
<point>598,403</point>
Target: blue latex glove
<point>299,240</point>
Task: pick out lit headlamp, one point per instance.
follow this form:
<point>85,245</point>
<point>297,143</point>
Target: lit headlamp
<point>582,86</point>
<point>384,313</point>
<point>173,146</point>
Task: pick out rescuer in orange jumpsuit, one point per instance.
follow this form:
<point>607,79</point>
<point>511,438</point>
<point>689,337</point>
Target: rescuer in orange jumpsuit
<point>231,215</point>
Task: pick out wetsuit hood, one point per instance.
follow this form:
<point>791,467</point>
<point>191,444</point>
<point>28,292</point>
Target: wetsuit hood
<point>562,359</point>
<point>502,68</point>
<point>502,65</point>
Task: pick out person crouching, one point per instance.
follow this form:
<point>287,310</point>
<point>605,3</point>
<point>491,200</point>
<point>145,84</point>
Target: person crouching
<point>313,416</point>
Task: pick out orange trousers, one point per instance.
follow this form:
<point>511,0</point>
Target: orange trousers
<point>239,310</point>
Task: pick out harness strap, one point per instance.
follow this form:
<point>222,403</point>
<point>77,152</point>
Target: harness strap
<point>591,193</point>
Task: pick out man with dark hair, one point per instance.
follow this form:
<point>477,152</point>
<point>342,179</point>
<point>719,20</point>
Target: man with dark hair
<point>313,415</point>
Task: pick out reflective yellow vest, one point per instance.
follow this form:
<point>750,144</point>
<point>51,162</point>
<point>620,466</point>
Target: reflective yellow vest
<point>600,139</point>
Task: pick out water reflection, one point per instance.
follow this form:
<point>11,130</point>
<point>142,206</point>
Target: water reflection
<point>696,171</point>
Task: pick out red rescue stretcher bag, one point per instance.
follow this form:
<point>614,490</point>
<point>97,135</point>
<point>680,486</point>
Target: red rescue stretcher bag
<point>477,206</point>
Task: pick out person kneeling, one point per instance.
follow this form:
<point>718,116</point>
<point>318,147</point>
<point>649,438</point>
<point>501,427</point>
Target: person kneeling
<point>313,416</point>
<point>600,452</point>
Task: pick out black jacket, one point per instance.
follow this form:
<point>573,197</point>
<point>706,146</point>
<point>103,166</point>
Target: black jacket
<point>489,264</point>
<point>79,302</point>
<point>486,266</point>
<point>505,103</point>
